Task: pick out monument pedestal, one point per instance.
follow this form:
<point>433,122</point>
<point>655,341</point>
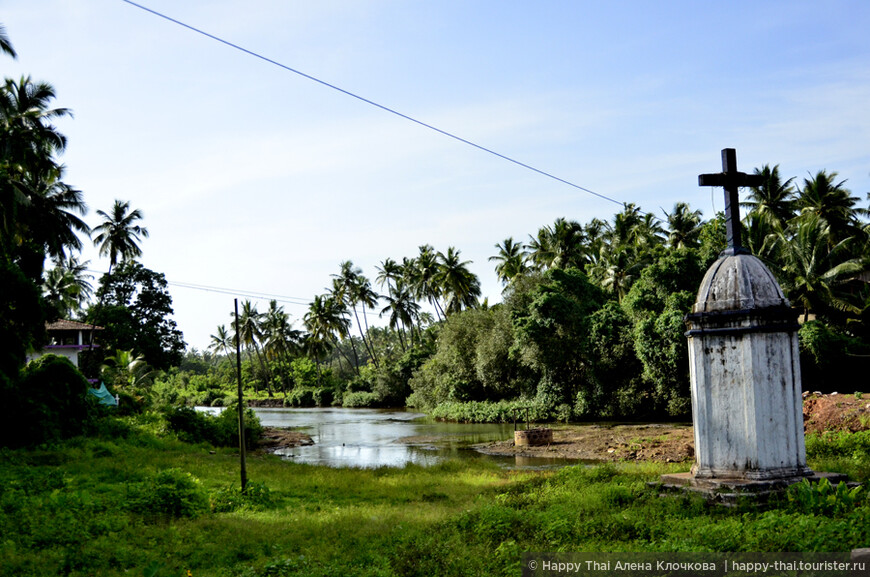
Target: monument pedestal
<point>729,491</point>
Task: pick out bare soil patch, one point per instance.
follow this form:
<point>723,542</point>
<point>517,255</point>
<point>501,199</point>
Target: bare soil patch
<point>835,413</point>
<point>674,443</point>
<point>666,443</point>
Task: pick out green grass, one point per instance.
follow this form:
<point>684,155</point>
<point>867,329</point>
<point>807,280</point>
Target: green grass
<point>95,506</point>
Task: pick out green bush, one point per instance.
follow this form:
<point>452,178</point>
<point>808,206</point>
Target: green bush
<point>301,397</point>
<point>170,493</point>
<point>830,357</point>
<point>823,498</point>
<point>487,412</point>
<point>839,444</point>
<point>360,400</point>
<point>221,430</point>
<point>324,397</point>
<point>257,496</point>
<point>49,403</point>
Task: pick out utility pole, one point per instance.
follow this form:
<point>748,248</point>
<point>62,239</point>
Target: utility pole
<point>241,401</point>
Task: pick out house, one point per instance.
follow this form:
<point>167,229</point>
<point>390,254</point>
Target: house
<point>67,339</point>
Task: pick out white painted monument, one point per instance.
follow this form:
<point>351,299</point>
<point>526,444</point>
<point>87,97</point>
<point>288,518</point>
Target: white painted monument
<point>744,366</point>
<point>745,375</point>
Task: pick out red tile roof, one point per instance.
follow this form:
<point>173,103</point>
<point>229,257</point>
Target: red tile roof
<point>65,325</point>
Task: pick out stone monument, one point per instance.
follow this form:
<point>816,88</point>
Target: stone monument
<point>744,366</point>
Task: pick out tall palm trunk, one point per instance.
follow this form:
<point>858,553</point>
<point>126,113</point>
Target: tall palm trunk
<point>265,368</point>
<point>369,349</point>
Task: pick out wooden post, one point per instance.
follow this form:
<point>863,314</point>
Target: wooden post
<point>241,402</point>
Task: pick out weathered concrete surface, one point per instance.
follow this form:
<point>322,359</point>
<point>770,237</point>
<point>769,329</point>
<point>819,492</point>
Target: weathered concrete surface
<point>745,376</point>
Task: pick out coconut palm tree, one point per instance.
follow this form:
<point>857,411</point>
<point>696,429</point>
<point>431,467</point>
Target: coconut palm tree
<point>773,203</point>
<point>66,286</point>
<point>28,144</point>
<point>833,202</point>
<point>460,286</point>
<point>29,139</point>
<point>117,235</point>
<point>814,266</point>
<point>250,333</point>
<point>561,245</point>
<point>403,310</point>
<point>352,287</point>
<point>51,214</point>
<point>389,272</point>
<point>6,44</point>
<point>222,340</point>
<point>280,340</point>
<point>684,226</point>
<point>326,322</point>
<point>511,260</point>
<point>424,278</point>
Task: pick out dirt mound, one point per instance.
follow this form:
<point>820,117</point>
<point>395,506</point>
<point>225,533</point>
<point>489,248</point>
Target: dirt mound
<point>835,413</point>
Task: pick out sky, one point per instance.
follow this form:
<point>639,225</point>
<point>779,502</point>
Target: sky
<point>255,179</point>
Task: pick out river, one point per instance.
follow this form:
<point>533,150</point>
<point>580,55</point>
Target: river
<point>384,437</point>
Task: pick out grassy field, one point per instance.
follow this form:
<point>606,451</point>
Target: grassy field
<point>139,502</point>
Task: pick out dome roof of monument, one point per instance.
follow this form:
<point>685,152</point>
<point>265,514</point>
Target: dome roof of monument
<point>738,282</point>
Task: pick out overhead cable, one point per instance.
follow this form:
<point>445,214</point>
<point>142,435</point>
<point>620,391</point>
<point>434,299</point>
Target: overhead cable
<point>373,103</point>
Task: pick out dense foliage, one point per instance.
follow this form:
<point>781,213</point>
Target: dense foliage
<point>135,308</point>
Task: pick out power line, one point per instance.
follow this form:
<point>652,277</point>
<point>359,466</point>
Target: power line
<point>375,104</point>
<point>234,292</point>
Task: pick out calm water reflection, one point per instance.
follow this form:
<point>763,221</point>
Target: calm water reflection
<point>380,437</point>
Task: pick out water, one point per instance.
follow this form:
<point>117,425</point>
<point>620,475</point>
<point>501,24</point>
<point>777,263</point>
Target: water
<point>383,437</point>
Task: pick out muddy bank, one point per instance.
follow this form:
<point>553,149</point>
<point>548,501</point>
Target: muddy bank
<point>666,443</point>
<point>266,403</point>
<point>275,438</point>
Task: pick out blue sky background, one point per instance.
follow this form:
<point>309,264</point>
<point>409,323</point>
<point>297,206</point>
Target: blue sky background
<point>254,178</point>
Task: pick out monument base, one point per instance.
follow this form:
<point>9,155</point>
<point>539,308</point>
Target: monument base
<point>729,491</point>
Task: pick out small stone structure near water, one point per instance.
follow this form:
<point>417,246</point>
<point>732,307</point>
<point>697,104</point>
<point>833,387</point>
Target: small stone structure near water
<point>533,437</point>
<point>744,370</point>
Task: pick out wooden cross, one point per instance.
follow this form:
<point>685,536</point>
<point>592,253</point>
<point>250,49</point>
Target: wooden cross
<point>730,179</point>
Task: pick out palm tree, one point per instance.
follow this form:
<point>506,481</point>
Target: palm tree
<point>424,275</point>
<point>389,272</point>
<point>814,268</point>
<point>29,139</point>
<point>6,44</point>
<point>830,200</point>
<point>66,286</point>
<point>222,341</point>
<point>773,203</point>
<point>126,369</point>
<point>28,143</point>
<point>684,226</point>
<point>403,310</point>
<point>460,286</point>
<point>327,321</point>
<point>617,269</point>
<point>511,260</point>
<point>50,217</point>
<point>351,286</point>
<point>251,334</point>
<point>280,340</point>
<point>558,246</point>
<point>117,235</point>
